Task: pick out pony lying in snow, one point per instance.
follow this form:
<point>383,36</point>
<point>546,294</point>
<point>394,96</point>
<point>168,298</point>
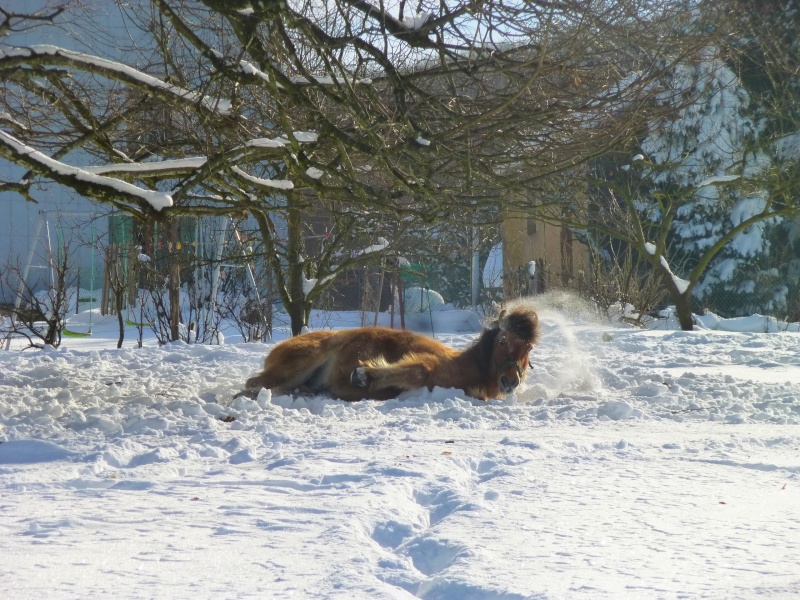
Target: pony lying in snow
<point>379,363</point>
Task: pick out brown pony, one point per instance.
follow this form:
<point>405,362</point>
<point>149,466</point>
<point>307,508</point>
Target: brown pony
<point>378,363</point>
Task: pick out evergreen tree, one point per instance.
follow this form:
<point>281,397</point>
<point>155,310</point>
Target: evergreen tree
<point>770,69</point>
<point>707,155</point>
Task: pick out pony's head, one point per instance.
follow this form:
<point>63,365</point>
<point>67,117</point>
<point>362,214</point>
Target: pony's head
<point>508,343</point>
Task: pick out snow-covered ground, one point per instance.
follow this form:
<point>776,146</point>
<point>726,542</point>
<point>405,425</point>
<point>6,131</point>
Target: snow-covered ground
<point>634,464</point>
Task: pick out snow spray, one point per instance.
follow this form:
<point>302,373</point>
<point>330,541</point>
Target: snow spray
<point>561,362</point>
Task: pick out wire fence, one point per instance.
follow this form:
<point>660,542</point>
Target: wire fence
<point>784,306</point>
<point>780,301</point>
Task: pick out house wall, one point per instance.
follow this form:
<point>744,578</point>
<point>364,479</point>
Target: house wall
<point>558,254</point>
<point>67,219</point>
<point>18,217</point>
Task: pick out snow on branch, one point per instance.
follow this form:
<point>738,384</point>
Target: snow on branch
<point>96,185</point>
<point>681,284</point>
<point>717,179</point>
<point>278,184</point>
<point>310,284</point>
<point>787,147</point>
<point>304,137</point>
<point>163,167</point>
<point>256,148</point>
<point>113,70</point>
<point>7,118</point>
<point>417,20</point>
<point>382,244</point>
<point>412,29</point>
<point>248,68</point>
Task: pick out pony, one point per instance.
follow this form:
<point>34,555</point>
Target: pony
<point>379,363</point>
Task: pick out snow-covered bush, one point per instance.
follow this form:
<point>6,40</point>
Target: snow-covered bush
<point>417,299</point>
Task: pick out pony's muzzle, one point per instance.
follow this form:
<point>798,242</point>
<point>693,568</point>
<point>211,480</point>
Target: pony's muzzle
<point>508,384</point>
<point>359,378</point>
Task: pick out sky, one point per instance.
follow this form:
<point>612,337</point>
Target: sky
<point>632,463</point>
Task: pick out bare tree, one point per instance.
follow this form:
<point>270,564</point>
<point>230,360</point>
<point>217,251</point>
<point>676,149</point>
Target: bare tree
<point>714,174</point>
<point>39,312</point>
<point>118,284</point>
<point>619,277</point>
<point>419,114</point>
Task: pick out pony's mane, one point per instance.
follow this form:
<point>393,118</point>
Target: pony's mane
<point>522,321</point>
<point>484,346</point>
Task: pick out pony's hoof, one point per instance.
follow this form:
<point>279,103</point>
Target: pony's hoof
<point>359,377</point>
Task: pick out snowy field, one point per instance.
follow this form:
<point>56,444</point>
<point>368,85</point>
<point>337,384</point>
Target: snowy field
<point>633,464</point>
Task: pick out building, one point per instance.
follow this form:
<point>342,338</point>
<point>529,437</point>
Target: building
<point>539,256</point>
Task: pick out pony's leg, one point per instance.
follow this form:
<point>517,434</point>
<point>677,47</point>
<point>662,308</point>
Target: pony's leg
<point>292,363</point>
<point>407,374</point>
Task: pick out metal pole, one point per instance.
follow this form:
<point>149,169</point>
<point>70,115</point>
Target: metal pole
<point>198,303</point>
<point>476,268</point>
<point>49,250</point>
<point>380,291</point>
<point>91,282</point>
<point>248,265</point>
<point>218,264</point>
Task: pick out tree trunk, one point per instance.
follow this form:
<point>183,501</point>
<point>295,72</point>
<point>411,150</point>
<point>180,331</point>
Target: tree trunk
<point>682,300</point>
<point>683,309</point>
<point>297,317</point>
<point>296,307</point>
<point>120,298</point>
<point>174,281</point>
<point>287,265</point>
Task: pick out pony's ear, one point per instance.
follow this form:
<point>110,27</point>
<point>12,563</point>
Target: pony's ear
<point>496,323</point>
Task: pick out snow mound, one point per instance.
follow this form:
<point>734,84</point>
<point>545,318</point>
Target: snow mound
<point>626,453</point>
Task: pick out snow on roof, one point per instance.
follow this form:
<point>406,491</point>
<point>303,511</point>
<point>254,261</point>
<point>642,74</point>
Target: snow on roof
<point>326,80</point>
